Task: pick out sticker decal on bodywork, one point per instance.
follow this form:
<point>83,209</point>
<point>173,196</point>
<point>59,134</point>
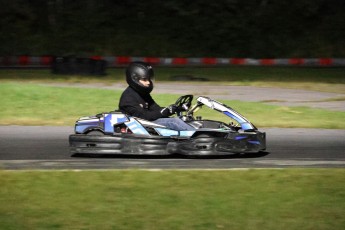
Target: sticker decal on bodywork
<point>136,127</point>
<point>112,119</point>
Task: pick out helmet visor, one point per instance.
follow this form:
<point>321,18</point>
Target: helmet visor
<point>146,78</point>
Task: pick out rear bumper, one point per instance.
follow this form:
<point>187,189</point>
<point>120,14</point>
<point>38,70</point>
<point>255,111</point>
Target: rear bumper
<point>134,145</point>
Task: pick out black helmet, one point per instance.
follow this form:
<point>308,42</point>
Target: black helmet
<point>136,71</point>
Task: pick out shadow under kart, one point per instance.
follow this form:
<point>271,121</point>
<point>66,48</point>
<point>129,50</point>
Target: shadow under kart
<point>175,156</point>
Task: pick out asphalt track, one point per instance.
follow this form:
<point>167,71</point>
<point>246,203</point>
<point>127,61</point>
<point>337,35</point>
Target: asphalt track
<point>43,147</point>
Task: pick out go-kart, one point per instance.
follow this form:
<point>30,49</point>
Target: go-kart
<point>117,133</point>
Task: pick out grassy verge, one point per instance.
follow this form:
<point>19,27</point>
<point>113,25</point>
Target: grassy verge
<point>31,104</point>
<point>320,79</point>
<point>134,199</point>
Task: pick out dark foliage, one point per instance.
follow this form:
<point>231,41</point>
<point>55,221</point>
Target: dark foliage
<point>223,28</point>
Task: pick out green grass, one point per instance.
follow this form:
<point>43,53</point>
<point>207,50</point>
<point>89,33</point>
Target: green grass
<point>135,199</point>
<point>321,79</point>
<point>32,104</point>
<point>29,104</point>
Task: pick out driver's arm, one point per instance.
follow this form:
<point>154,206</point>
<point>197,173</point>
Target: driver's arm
<point>134,105</point>
<point>138,111</point>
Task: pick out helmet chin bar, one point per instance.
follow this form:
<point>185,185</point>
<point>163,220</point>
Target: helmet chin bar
<point>141,88</point>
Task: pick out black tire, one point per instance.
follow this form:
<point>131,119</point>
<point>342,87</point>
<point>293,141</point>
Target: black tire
<point>95,133</point>
<point>203,135</point>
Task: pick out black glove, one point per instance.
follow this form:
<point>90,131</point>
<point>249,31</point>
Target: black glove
<point>168,111</point>
<point>185,107</point>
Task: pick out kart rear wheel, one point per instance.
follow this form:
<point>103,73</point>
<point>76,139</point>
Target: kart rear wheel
<point>203,135</point>
<point>95,133</point>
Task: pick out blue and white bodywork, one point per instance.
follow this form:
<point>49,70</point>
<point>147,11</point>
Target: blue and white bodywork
<point>245,124</point>
<point>118,133</point>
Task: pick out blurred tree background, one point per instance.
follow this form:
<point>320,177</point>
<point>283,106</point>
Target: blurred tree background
<point>222,28</point>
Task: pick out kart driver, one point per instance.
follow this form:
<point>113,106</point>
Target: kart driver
<point>136,99</point>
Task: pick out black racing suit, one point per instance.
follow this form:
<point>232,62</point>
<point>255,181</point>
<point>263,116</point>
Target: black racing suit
<point>138,105</point>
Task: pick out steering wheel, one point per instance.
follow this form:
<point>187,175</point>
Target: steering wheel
<point>184,102</point>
